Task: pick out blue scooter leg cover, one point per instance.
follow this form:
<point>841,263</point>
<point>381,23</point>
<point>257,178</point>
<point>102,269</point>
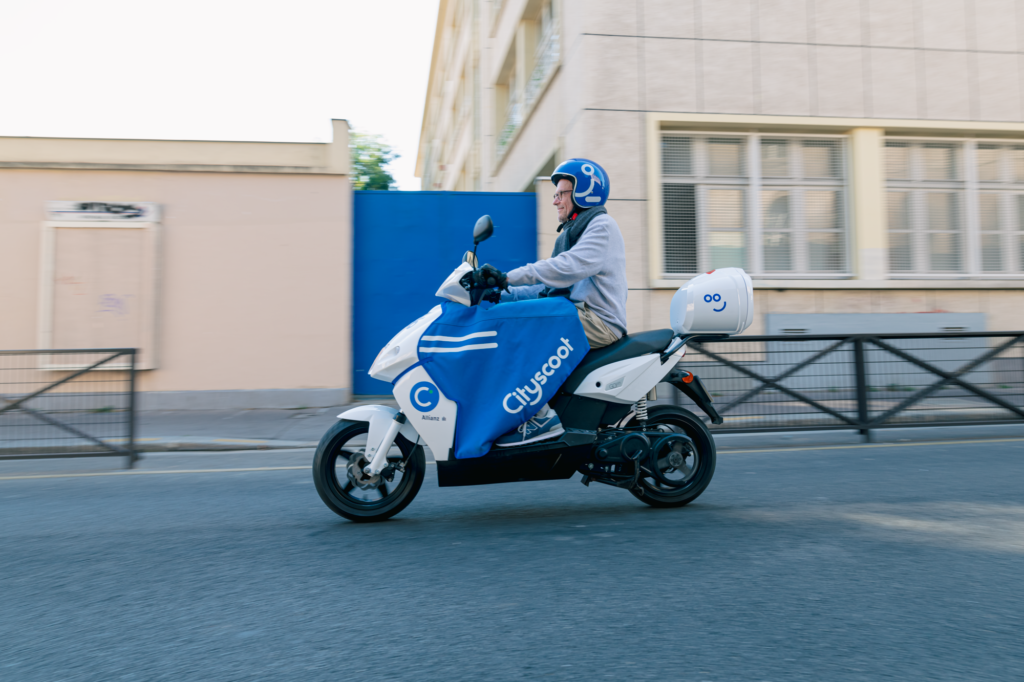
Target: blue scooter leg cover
<point>501,363</point>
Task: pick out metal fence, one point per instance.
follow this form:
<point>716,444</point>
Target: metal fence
<point>862,382</point>
<point>67,403</point>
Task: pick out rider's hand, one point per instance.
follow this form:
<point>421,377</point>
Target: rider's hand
<point>491,276</point>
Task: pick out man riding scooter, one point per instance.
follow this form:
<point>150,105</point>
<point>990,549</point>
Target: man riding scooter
<point>587,265</point>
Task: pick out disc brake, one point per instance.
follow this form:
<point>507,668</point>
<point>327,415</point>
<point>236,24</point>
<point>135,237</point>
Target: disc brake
<point>356,463</point>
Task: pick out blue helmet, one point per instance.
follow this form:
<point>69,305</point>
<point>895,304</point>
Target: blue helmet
<point>590,184</point>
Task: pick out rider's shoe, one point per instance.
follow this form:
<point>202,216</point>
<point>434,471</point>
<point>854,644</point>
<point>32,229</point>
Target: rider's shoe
<point>532,431</point>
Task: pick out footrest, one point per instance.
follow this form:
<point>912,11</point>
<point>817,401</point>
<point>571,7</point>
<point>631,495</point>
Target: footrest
<point>571,438</point>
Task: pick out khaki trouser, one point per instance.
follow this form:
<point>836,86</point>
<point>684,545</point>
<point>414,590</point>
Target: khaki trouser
<point>598,333</point>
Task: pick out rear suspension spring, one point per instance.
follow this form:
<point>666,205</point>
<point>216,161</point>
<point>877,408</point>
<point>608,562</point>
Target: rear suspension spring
<point>641,411</point>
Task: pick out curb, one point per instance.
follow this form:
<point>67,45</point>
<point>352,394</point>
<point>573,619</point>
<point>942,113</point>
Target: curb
<point>163,444</point>
<point>217,444</point>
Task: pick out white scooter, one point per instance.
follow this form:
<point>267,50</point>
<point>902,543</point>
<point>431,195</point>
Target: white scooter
<point>370,464</point>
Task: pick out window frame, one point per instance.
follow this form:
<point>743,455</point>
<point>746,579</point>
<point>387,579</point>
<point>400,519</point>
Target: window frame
<point>752,183</point>
<point>971,188</point>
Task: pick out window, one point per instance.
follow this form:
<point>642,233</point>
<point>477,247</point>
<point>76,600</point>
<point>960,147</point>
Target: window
<point>528,68</point>
<point>1001,208</point>
<point>773,205</point>
<point>955,207</point>
<point>925,193</point>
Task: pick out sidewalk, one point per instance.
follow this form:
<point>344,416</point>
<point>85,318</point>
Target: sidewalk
<point>282,429</point>
<point>220,430</point>
<point>248,430</point>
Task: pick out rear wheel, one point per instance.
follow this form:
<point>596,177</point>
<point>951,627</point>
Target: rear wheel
<point>684,473</point>
<point>337,468</point>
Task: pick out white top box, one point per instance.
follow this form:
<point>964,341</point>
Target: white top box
<point>717,302</point>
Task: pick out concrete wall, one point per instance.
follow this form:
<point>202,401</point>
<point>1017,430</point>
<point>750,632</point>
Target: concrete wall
<point>254,304</point>
<point>940,59</point>
<point>862,69</point>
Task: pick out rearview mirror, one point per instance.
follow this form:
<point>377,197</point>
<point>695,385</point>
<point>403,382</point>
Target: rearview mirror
<point>483,230</point>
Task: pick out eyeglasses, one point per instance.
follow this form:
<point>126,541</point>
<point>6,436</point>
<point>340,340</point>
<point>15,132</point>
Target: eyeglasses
<point>558,195</point>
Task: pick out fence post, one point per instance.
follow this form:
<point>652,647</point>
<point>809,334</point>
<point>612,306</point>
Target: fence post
<point>133,456</point>
<point>860,370</point>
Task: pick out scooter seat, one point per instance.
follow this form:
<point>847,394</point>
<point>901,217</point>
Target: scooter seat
<point>629,346</point>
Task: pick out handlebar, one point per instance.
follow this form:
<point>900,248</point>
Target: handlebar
<point>480,289</point>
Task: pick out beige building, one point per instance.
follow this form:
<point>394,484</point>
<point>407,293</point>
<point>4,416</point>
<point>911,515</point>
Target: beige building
<point>226,263</point>
<point>854,156</point>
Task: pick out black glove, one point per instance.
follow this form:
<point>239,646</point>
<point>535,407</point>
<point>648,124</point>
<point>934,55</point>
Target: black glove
<point>490,276</point>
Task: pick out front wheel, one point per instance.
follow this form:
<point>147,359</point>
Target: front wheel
<point>688,471</point>
<point>337,465</point>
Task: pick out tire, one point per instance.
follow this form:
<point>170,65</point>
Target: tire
<point>330,475</point>
<point>680,420</point>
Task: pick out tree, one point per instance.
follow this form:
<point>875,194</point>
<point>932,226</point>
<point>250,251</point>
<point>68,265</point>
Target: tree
<point>370,155</point>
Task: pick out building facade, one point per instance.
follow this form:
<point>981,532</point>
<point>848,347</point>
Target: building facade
<point>854,156</point>
<point>227,264</point>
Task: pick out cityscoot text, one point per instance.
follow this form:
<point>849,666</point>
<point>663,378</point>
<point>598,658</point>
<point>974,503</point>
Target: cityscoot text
<point>532,393</point>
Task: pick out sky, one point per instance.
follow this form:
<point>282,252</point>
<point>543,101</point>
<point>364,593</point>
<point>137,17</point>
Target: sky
<point>217,70</point>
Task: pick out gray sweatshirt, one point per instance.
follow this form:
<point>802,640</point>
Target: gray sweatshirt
<point>595,269</point>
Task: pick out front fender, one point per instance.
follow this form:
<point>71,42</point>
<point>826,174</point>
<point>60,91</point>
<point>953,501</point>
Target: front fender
<point>380,418</point>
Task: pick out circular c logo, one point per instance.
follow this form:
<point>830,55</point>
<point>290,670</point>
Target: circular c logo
<point>425,396</point>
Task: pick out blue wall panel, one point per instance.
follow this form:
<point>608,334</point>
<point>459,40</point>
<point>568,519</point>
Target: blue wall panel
<point>406,243</point>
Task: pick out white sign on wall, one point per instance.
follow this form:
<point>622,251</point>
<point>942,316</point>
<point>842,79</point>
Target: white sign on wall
<point>76,211</point>
<point>98,285</point>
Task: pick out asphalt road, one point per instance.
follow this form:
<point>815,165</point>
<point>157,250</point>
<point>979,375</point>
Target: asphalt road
<point>901,562</point>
